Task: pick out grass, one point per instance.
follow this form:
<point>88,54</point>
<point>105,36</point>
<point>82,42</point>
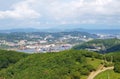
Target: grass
<point>95,63</point>
<point>83,77</point>
<point>109,74</point>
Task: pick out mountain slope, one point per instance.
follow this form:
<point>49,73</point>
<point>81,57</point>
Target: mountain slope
<point>62,65</point>
<point>114,48</point>
<point>10,57</point>
<point>106,45</point>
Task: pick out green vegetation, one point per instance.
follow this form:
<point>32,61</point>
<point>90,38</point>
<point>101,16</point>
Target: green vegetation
<point>103,46</point>
<point>70,64</point>
<point>110,59</point>
<point>94,62</point>
<point>117,67</point>
<point>114,48</point>
<point>10,57</point>
<point>35,36</point>
<point>109,74</point>
<point>114,56</point>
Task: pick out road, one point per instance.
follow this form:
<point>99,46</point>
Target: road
<point>101,69</point>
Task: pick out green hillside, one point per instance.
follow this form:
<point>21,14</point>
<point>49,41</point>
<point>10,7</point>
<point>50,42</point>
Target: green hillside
<point>70,64</point>
<point>8,58</point>
<point>114,48</point>
<point>114,55</point>
<point>109,74</point>
<point>106,45</point>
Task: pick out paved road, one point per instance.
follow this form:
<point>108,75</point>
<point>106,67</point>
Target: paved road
<point>101,69</point>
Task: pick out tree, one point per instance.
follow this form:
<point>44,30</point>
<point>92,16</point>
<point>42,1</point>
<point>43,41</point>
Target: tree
<point>117,67</point>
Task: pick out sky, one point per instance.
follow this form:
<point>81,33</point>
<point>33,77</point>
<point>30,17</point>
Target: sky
<point>89,14</point>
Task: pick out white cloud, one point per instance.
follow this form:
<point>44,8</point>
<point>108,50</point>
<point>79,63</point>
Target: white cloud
<point>20,10</point>
<point>65,11</point>
<point>81,8</point>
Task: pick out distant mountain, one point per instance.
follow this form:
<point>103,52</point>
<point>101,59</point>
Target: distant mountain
<point>98,31</point>
<point>93,31</point>
<point>104,31</point>
<point>33,30</point>
<point>18,30</point>
<point>71,36</point>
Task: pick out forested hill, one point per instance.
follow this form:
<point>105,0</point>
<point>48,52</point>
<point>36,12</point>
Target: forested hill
<point>106,45</point>
<point>71,64</point>
<point>8,58</point>
<point>63,65</point>
<point>114,48</point>
<point>23,35</point>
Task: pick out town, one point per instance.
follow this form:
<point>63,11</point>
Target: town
<point>42,42</point>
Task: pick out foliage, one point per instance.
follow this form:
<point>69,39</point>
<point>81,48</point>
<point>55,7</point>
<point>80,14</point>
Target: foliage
<point>114,48</point>
<point>115,58</point>
<point>106,45</point>
<point>71,64</point>
<point>10,57</point>
<point>109,74</point>
<point>94,62</point>
<point>117,67</point>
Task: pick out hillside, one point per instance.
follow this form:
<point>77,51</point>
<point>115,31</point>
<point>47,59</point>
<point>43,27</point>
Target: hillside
<point>29,36</point>
<point>71,64</point>
<point>114,48</point>
<point>14,40</point>
<point>100,45</point>
<point>63,65</point>
<point>114,55</point>
<point>109,74</point>
<point>8,58</point>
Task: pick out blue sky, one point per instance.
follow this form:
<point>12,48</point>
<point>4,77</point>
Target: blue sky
<point>90,14</point>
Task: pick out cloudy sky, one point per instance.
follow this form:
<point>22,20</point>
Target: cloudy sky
<point>59,13</point>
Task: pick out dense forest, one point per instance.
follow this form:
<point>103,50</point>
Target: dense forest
<point>114,57</point>
<point>70,64</point>
<point>8,58</point>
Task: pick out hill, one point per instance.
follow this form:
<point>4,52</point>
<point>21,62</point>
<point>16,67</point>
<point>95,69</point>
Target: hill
<point>73,36</point>
<point>8,58</point>
<point>70,64</point>
<point>114,48</point>
<point>114,55</point>
<point>109,74</point>
<point>100,45</point>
